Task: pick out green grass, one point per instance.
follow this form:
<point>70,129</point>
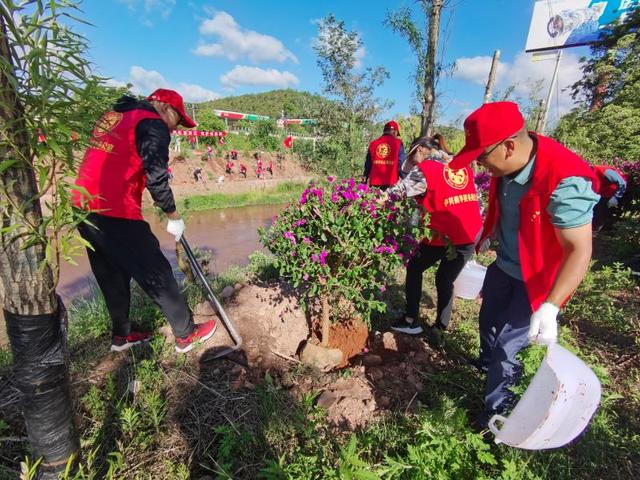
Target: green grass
<point>284,192</point>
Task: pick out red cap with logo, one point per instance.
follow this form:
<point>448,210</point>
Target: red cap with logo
<point>174,99</point>
<point>392,124</point>
<point>491,123</point>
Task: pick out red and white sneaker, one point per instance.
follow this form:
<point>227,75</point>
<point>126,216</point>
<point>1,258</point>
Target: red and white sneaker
<point>201,332</point>
<point>119,344</point>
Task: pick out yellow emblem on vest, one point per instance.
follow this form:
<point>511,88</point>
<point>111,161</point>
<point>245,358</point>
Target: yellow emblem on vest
<point>107,122</point>
<point>456,178</point>
<point>383,150</point>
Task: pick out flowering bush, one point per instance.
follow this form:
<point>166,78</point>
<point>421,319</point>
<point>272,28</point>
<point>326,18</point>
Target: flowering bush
<point>337,244</point>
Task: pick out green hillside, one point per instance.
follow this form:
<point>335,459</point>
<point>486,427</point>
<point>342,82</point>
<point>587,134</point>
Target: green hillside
<point>295,104</point>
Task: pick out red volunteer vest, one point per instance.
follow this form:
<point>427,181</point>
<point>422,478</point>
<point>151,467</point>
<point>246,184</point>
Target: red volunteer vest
<point>111,170</point>
<point>540,251</point>
<point>452,201</point>
<point>604,187</point>
<point>384,152</point>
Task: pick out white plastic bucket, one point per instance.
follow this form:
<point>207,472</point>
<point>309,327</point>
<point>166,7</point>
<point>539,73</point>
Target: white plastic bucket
<point>555,408</point>
<point>469,282</point>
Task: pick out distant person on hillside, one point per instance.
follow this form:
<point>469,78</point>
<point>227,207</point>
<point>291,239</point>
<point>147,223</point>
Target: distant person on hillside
<point>540,209</point>
<point>243,170</point>
<point>228,167</point>
<point>270,168</point>
<point>176,145</point>
<point>611,185</point>
<point>128,152</point>
<point>209,153</point>
<point>234,155</point>
<point>197,175</point>
<point>259,170</point>
<point>451,200</point>
<point>385,156</point>
<point>170,172</point>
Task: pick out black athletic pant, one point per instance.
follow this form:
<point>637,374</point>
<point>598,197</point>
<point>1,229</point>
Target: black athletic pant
<point>126,249</point>
<point>448,271</point>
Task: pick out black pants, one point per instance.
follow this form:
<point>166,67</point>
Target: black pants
<point>126,249</point>
<point>448,271</point>
<point>504,328</point>
<point>601,214</point>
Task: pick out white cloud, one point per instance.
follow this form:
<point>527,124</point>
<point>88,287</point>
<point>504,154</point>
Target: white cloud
<point>235,42</point>
<point>254,76</point>
<point>359,55</point>
<point>523,72</point>
<point>146,81</point>
<point>150,7</point>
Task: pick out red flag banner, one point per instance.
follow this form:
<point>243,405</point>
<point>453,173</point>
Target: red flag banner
<point>198,133</point>
<point>288,142</point>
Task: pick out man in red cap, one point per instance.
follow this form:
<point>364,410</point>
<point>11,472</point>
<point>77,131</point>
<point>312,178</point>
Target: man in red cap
<point>385,157</point>
<point>540,209</point>
<point>129,150</point>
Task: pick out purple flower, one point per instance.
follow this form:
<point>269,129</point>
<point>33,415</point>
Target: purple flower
<point>293,254</point>
<point>335,198</point>
<point>314,257</point>
<point>306,240</point>
<point>382,288</point>
<point>300,222</point>
<point>331,179</point>
<point>289,236</point>
<point>363,187</point>
<point>323,257</point>
<point>305,277</point>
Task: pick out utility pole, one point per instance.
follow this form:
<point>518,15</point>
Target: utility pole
<point>492,77</point>
<point>547,105</point>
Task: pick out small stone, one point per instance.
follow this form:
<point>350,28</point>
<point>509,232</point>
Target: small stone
<point>326,399</point>
<point>389,341</point>
<point>376,374</point>
<point>134,387</point>
<point>323,358</point>
<point>227,292</point>
<point>372,360</point>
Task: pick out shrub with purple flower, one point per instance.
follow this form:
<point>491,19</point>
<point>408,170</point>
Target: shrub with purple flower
<point>346,242</point>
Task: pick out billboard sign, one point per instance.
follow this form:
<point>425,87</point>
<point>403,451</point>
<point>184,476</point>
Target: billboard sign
<point>571,23</point>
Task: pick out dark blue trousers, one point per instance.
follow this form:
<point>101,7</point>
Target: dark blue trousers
<point>504,328</point>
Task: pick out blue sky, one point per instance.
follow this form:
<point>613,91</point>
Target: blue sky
<point>209,48</point>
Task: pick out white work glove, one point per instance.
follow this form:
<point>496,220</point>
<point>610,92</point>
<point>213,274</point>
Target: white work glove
<point>543,328</point>
<point>484,246</point>
<point>176,228</point>
<point>612,203</point>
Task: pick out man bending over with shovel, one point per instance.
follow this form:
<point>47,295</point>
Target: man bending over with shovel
<point>128,151</point>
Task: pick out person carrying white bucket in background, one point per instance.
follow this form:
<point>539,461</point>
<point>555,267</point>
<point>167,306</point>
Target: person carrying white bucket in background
<point>451,199</point>
<point>541,201</point>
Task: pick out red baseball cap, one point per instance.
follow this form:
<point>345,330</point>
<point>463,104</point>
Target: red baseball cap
<point>489,124</point>
<point>174,99</point>
<point>392,124</point>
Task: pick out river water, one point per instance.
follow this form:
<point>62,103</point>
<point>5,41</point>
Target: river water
<point>230,234</point>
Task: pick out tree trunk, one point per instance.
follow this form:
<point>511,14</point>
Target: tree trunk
<point>429,100</point>
<point>27,291</point>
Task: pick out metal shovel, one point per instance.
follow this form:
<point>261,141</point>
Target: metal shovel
<point>195,266</point>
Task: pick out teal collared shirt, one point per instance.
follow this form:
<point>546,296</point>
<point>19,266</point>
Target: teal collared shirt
<point>571,205</point>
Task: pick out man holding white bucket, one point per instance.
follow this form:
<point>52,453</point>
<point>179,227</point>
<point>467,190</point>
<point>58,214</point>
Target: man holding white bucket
<point>540,209</point>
